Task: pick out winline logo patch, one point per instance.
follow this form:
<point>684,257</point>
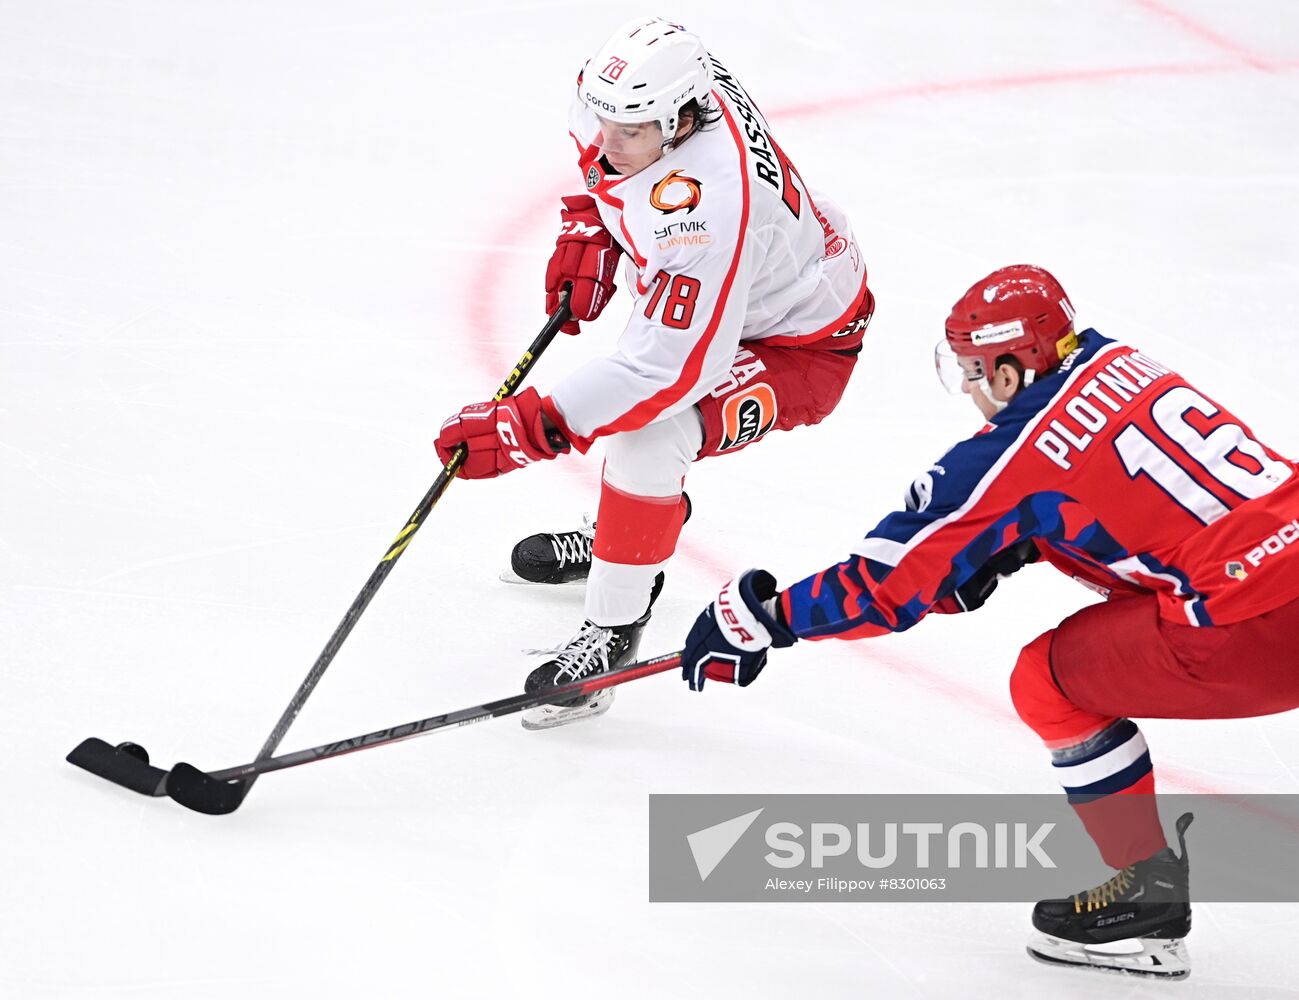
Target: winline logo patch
<point>747,416</point>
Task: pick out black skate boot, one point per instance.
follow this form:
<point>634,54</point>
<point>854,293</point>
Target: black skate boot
<point>592,651</point>
<point>553,558</point>
<point>1134,923</point>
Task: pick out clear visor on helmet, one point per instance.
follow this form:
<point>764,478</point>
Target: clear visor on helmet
<point>583,124</point>
<point>596,138</point>
<point>955,372</point>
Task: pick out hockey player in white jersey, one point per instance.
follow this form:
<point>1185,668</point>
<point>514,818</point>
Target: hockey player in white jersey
<point>748,305</point>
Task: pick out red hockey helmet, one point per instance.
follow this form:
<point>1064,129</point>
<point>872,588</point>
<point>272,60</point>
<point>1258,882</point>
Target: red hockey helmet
<point>1020,310</point>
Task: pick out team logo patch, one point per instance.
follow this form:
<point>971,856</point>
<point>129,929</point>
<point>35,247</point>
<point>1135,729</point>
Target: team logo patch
<point>659,195</point>
<point>1236,570</point>
<point>592,177</point>
<point>921,493</point>
<point>747,416</point>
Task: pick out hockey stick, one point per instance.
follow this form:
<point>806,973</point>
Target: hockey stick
<point>122,766</point>
<point>219,792</point>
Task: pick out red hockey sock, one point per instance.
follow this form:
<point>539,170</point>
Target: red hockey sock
<point>1102,762</point>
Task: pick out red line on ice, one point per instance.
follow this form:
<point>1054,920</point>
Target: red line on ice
<point>1207,34</point>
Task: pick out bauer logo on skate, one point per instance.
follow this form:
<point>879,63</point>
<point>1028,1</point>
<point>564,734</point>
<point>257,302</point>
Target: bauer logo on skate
<point>747,416</point>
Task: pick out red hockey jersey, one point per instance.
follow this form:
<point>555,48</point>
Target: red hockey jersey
<point>1127,476</point>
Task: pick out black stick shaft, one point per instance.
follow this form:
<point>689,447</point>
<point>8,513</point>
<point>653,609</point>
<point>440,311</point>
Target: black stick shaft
<point>462,717</point>
<point>557,319</point>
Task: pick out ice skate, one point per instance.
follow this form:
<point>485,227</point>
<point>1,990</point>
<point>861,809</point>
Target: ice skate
<point>593,650</point>
<point>556,558</point>
<point>553,558</point>
<point>1135,923</point>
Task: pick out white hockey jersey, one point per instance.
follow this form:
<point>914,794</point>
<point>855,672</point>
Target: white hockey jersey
<point>724,243</point>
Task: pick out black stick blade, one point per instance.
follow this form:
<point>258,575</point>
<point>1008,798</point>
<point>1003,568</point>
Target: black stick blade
<point>198,790</point>
<point>126,767</point>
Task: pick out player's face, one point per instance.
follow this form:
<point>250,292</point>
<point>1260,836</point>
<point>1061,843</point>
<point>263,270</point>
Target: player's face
<point>966,375</point>
<point>630,148</point>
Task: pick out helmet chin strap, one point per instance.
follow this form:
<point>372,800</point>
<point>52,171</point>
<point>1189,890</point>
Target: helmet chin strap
<point>986,389</point>
<point>1001,404</point>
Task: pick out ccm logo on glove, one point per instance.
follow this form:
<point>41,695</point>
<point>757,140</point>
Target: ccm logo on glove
<point>500,436</point>
<point>505,431</point>
<point>586,258</point>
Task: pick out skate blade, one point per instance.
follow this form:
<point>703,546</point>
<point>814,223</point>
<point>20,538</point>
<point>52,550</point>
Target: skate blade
<point>509,576</point>
<point>553,716</point>
<point>1153,958</point>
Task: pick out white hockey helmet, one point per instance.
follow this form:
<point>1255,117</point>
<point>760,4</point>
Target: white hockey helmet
<point>646,72</point>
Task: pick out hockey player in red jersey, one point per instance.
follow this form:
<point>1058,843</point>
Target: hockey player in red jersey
<point>1107,464</point>
<point>749,302</point>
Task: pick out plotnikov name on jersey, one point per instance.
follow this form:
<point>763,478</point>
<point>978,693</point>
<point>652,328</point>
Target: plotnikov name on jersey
<point>1113,388</point>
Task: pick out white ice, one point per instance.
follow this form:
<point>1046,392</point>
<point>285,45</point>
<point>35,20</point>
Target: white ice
<point>252,254</point>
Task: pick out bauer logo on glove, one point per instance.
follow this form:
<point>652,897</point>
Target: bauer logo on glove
<point>730,638</point>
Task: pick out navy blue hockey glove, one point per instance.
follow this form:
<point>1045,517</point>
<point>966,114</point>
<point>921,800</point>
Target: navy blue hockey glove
<point>974,592</point>
<point>729,639</point>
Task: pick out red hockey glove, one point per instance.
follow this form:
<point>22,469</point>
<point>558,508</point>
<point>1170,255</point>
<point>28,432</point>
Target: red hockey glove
<point>586,255</point>
<point>730,638</point>
<point>501,436</point>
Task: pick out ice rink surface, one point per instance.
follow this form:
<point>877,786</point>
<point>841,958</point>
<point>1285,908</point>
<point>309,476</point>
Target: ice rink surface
<point>252,254</point>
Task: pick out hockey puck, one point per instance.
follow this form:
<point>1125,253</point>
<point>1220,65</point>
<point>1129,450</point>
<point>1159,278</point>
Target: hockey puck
<point>134,750</point>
